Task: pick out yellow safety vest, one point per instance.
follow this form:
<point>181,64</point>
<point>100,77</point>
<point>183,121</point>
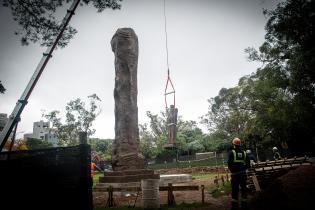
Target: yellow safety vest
<point>239,161</point>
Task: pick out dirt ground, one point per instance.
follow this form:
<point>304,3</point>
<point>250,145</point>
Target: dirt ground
<point>292,191</point>
<point>123,199</point>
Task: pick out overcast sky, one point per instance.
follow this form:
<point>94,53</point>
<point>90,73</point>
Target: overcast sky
<point>206,41</point>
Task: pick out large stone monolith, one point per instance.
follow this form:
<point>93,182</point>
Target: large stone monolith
<point>126,154</point>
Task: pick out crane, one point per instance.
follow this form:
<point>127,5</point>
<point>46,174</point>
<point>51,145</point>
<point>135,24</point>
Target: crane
<point>14,118</point>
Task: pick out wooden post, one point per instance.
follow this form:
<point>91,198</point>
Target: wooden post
<point>110,199</point>
<point>170,195</point>
<point>202,194</point>
<point>256,183</point>
<point>216,181</point>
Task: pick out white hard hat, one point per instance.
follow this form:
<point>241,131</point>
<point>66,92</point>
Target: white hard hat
<point>248,151</point>
<point>274,148</point>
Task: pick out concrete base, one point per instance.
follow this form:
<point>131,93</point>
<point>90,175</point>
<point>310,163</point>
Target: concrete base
<point>174,179</point>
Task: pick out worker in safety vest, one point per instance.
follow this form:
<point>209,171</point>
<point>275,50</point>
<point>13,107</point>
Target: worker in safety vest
<point>276,154</point>
<point>238,162</point>
<point>93,166</point>
<point>251,156</point>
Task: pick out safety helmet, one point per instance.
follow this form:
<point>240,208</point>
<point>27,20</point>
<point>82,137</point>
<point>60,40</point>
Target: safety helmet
<point>274,148</point>
<point>248,151</point>
<point>236,142</point>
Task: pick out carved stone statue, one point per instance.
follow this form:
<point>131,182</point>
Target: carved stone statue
<point>126,154</point>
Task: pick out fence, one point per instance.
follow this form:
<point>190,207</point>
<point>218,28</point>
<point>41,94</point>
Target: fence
<point>213,158</point>
<point>57,178</point>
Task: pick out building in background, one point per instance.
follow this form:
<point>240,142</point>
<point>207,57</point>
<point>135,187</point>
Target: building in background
<point>41,130</point>
<point>3,120</point>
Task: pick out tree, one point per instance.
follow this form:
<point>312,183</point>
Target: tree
<point>33,144</point>
<point>189,137</point>
<point>2,89</point>
<point>288,66</point>
<point>230,112</point>
<point>78,118</point>
<point>148,143</point>
<point>275,104</point>
<point>103,147</point>
<point>19,144</point>
<point>38,20</point>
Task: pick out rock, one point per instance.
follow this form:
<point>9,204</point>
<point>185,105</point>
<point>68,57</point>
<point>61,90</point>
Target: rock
<point>126,154</point>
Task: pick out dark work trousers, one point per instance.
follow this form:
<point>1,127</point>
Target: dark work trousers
<point>239,180</point>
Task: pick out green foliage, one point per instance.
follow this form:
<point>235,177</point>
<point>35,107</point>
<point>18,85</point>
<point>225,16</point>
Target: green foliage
<point>148,143</point>
<point>225,189</point>
<point>190,139</point>
<point>2,89</point>
<point>205,175</point>
<point>78,118</point>
<point>97,175</point>
<point>39,23</point>
<point>275,104</point>
<point>102,147</point>
<point>33,143</point>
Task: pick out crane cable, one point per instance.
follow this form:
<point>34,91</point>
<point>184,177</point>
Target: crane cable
<point>166,44</point>
<point>169,81</point>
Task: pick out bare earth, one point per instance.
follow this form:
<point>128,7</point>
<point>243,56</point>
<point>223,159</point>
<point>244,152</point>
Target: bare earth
<point>128,199</point>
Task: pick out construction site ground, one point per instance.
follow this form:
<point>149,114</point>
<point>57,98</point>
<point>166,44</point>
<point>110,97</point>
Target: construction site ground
<point>293,190</point>
<point>189,197</point>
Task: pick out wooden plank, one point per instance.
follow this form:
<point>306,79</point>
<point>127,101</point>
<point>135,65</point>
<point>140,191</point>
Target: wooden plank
<point>128,172</point>
<point>118,189</point>
<point>127,178</point>
<point>256,183</point>
<point>136,189</point>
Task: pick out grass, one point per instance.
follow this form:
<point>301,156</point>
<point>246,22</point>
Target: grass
<point>97,174</point>
<point>200,175</point>
<point>187,164</point>
<point>221,190</point>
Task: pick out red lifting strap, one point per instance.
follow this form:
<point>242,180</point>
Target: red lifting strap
<point>172,91</point>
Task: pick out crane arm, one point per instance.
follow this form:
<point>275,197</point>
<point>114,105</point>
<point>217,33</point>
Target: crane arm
<point>21,103</point>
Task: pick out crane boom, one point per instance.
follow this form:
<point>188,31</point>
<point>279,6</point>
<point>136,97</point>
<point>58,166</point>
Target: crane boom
<point>16,113</point>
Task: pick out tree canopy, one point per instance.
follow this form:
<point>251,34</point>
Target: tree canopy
<point>38,21</point>
<point>2,89</point>
<point>275,104</point>
<point>78,118</point>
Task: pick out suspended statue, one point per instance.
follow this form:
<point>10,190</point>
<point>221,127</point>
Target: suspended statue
<point>171,115</point>
<point>172,126</point>
<point>171,112</point>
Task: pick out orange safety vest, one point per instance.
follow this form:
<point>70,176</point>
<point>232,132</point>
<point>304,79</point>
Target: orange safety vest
<point>92,169</point>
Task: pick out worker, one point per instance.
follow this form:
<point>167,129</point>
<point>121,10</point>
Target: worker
<point>93,166</point>
<point>251,157</point>
<point>238,162</point>
<point>276,154</point>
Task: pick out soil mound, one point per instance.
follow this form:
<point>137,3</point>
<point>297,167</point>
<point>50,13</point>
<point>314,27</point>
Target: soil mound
<point>292,191</point>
